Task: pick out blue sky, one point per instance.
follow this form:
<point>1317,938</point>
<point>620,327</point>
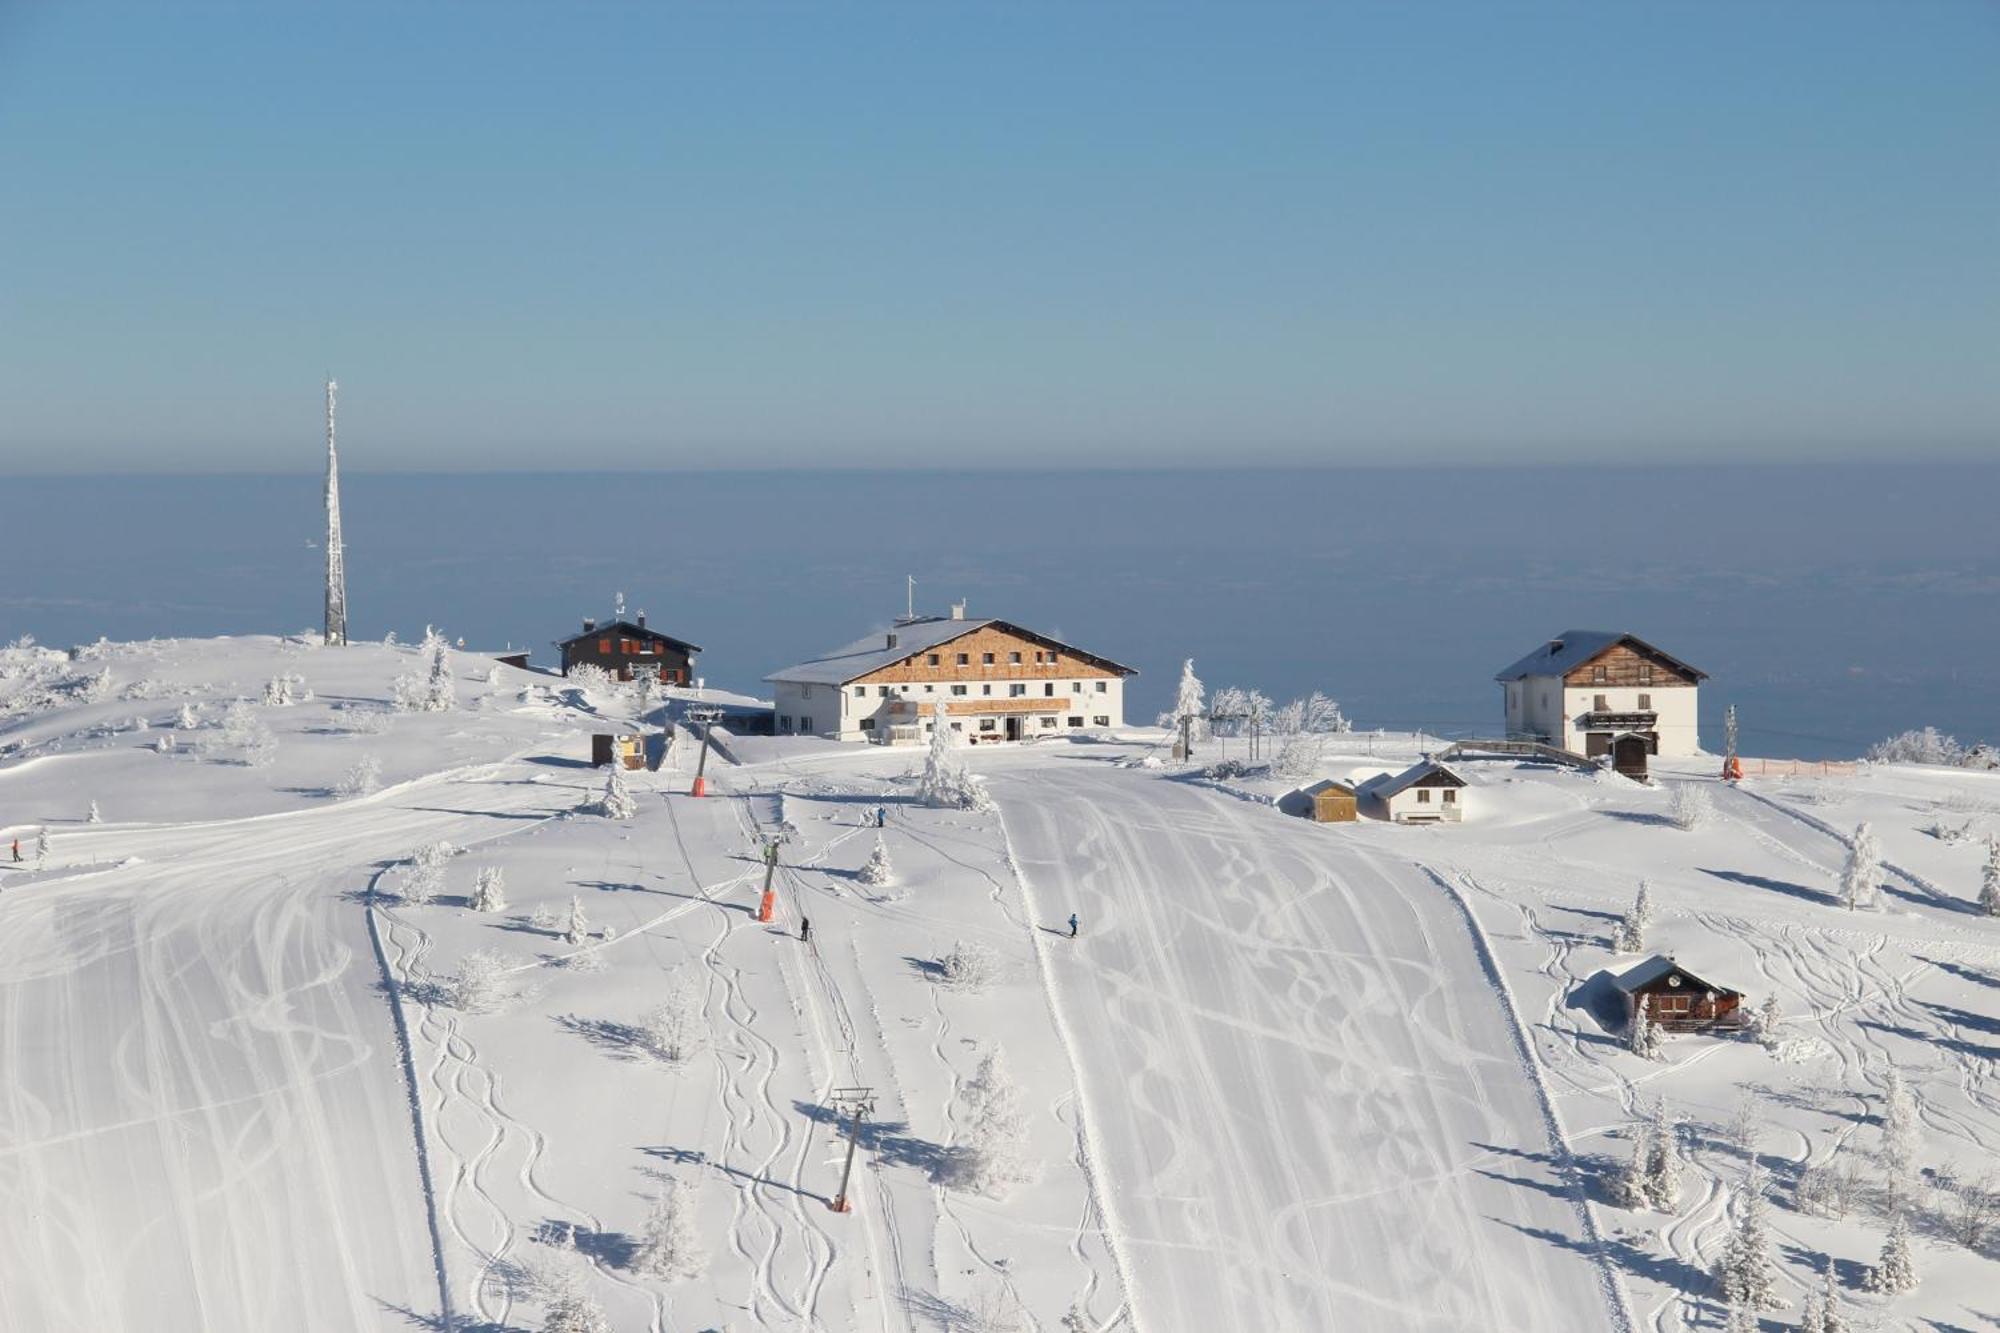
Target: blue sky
<point>657,235</point>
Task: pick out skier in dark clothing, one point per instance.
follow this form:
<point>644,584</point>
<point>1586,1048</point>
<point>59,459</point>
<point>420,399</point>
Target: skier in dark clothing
<point>17,850</point>
<point>805,930</point>
<point>1072,925</point>
<point>881,817</point>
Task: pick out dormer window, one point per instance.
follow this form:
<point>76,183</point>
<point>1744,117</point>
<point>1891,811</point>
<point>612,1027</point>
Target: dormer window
<point>1598,675</point>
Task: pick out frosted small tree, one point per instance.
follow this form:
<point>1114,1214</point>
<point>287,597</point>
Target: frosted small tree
<point>669,1246</point>
<point>1643,1034</point>
<point>995,1136</point>
<point>1900,1128</point>
<point>363,779</point>
<point>187,719</point>
<point>1823,1311</point>
<point>1989,887</point>
<point>1289,720</point>
<point>245,733</point>
<point>1299,755</point>
<point>1766,1024</point>
<point>1896,1271</point>
<point>1689,806</point>
<point>1631,933</point>
<point>1630,1185</point>
<point>489,891</point>
<point>479,985</point>
<point>970,966</point>
<point>1189,714</point>
<point>1663,1161</point>
<point>945,784</point>
<point>1861,877</point>
<point>423,879</point>
<point>1323,715</point>
<point>1746,1274</point>
<point>617,801</point>
<point>674,1028</point>
<point>42,848</point>
<point>440,690</point>
<point>876,872</point>
<point>95,816</point>
<point>575,1310</point>
<point>578,928</point>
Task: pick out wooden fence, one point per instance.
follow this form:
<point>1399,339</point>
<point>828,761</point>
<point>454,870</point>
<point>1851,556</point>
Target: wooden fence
<point>1798,768</point>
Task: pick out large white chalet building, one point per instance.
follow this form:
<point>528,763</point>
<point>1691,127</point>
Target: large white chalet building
<point>996,680</point>
<point>1584,689</point>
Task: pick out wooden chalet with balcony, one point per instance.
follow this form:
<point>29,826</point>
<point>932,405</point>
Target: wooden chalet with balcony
<point>626,648</point>
<point>1601,694</point>
<point>1678,1000</point>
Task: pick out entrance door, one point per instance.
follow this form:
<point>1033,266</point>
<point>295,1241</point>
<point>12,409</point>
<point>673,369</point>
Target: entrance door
<point>1014,727</point>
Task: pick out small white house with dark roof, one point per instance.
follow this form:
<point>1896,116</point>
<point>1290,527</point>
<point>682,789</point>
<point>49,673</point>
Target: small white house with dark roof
<point>996,680</point>
<point>1587,690</point>
<point>1425,793</point>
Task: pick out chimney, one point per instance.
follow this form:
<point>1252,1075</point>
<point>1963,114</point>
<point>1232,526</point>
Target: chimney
<point>1555,646</point>
<point>642,620</point>
<point>588,624</point>
<point>892,640</point>
<point>958,610</point>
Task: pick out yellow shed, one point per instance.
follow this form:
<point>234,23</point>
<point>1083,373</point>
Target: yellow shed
<point>1332,802</point>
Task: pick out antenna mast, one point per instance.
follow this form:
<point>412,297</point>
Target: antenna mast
<point>910,611</point>
<point>336,562</point>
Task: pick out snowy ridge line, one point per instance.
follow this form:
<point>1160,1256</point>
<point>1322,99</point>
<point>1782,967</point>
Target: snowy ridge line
<point>1619,1300</point>
<point>1091,1150</point>
<point>403,1051</point>
<point>1910,877</point>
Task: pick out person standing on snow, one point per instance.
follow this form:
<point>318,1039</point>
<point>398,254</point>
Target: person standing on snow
<point>17,851</point>
<point>881,817</point>
<point>805,930</point>
<point>1072,925</point>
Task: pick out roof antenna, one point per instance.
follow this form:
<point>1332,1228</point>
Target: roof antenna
<point>910,606</point>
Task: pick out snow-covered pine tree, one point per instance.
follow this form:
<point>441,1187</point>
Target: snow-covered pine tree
<point>363,779</point>
<point>423,879</point>
<point>1689,806</point>
<point>187,719</point>
<point>95,816</point>
<point>876,872</point>
<point>1630,937</point>
<point>669,1246</point>
<point>1767,1021</point>
<point>578,928</point>
<point>995,1135</point>
<point>675,1029</point>
<point>1642,906</point>
<point>1812,1315</point>
<point>1900,1129</point>
<point>1739,1316</point>
<point>1663,1160</point>
<point>1989,887</point>
<point>1862,875</point>
<point>1896,1271</point>
<point>42,848</point>
<point>575,1311</point>
<point>1832,1318</point>
<point>489,891</point>
<point>1643,1034</point>
<point>1629,1187</point>
<point>440,690</point>
<point>1189,714</point>
<point>945,784</point>
<point>617,801</point>
<point>1746,1275</point>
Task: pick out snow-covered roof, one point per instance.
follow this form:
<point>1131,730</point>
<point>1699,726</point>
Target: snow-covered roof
<point>1659,965</point>
<point>1386,787</point>
<point>1574,647</point>
<point>631,629</point>
<point>1328,784</point>
<point>874,651</point>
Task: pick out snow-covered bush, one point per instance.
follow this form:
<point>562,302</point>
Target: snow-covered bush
<point>590,678</point>
<point>970,966</point>
<point>422,879</point>
<point>669,1245</point>
<point>575,1310</point>
<point>1896,1271</point>
<point>617,801</point>
<point>578,928</point>
<point>876,872</point>
<point>1861,877</point>
<point>1821,1189</point>
<point>675,1029</point>
<point>1989,884</point>
<point>189,718</point>
<point>993,1130</point>
<point>244,736</point>
<point>1971,1211</point>
<point>489,891</point>
<point>480,984</point>
<point>542,918</point>
<point>42,848</point>
<point>284,691</point>
<point>1746,1275</point>
<point>1690,806</point>
<point>364,778</point>
<point>95,816</point>
<point>1764,1026</point>
<point>945,783</point>
<point>1929,746</point>
<point>1299,756</point>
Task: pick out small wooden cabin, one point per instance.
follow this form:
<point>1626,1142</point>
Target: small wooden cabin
<point>1628,754</point>
<point>1425,793</point>
<point>622,647</point>
<point>606,748</point>
<point>1332,803</point>
<point>1678,1000</point>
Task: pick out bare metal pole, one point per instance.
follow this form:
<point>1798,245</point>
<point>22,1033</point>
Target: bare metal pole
<point>863,1101</point>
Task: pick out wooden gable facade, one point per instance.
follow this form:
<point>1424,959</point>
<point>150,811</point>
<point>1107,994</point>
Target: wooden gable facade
<point>1679,1001</point>
<point>623,647</point>
<point>995,651</point>
<point>1631,664</point>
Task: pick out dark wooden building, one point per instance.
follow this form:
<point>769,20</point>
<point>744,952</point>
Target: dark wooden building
<point>626,647</point>
<point>1678,1000</point>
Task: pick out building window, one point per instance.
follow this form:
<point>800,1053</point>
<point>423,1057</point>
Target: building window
<point>1100,721</point>
<point>784,722</point>
<point>1645,673</point>
<point>1597,702</point>
<point>1076,687</point>
<point>1450,796</point>
<point>1598,675</point>
<point>1076,721</point>
<point>958,726</point>
<point>1016,691</point>
<point>881,691</point>
<point>868,724</point>
<point>986,689</point>
<point>963,659</point>
<point>986,659</point>
<point>1014,659</point>
<point>932,660</point>
<point>1048,689</point>
<point>958,689</point>
<point>861,691</point>
<point>805,724</point>
<point>1048,722</point>
<point>805,692</point>
<point>1645,703</point>
<point>1100,687</point>
<point>986,724</point>
<point>604,646</point>
<point>1423,796</point>
<point>930,689</point>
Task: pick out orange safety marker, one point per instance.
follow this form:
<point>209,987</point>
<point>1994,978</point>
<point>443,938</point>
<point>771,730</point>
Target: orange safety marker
<point>764,908</point>
<point>700,787</point>
<point>1732,769</point>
